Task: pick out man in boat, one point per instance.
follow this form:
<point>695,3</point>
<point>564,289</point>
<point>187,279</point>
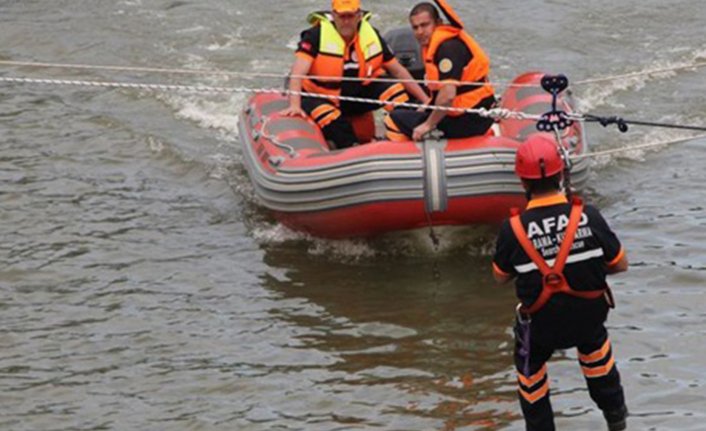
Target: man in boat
<point>343,44</point>
<point>564,305</point>
<point>456,73</point>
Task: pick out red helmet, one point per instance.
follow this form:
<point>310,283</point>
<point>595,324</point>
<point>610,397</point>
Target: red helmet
<point>538,157</point>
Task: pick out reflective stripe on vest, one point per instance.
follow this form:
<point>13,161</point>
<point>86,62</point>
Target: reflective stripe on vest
<point>333,53</point>
<point>553,280</point>
<point>475,71</point>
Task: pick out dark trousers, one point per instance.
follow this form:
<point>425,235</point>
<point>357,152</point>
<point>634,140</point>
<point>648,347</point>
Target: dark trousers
<point>551,330</point>
<point>462,126</point>
<point>331,116</point>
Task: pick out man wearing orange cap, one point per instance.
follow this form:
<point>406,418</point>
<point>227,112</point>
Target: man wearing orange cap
<point>559,254</point>
<point>343,44</point>
<point>456,70</point>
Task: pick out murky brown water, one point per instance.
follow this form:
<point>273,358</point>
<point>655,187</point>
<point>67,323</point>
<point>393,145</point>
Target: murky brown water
<point>142,288</point>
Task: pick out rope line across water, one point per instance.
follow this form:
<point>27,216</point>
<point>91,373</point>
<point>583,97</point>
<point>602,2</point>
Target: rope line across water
<point>496,113</point>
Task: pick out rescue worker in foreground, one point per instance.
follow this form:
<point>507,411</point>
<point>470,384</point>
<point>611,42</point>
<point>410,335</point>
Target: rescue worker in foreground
<point>451,56</point>
<point>559,252</point>
<point>344,44</point>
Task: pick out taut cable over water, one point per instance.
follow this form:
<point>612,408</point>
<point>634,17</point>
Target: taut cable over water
<point>495,113</point>
<point>253,75</point>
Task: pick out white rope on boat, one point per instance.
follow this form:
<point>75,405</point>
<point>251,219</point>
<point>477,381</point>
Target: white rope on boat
<point>496,113</point>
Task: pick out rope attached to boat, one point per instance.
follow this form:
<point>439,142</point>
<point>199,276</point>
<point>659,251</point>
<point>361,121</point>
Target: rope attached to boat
<point>495,113</point>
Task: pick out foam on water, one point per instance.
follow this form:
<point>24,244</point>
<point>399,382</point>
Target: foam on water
<point>213,114</point>
<point>594,95</point>
<point>227,41</point>
<point>472,241</point>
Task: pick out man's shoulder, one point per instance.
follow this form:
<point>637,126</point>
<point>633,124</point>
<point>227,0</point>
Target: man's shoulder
<point>454,42</point>
<point>312,32</point>
<point>594,214</point>
<point>505,230</point>
<point>590,210</point>
<point>309,42</point>
<point>453,47</point>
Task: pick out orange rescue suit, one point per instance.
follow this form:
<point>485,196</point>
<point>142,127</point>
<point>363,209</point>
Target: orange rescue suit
<point>475,71</point>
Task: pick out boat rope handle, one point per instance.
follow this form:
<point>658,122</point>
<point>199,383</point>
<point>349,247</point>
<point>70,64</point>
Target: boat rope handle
<point>252,75</point>
<point>265,134</point>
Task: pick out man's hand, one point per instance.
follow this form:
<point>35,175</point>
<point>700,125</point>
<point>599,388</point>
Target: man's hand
<point>421,130</point>
<point>425,102</point>
<point>294,111</point>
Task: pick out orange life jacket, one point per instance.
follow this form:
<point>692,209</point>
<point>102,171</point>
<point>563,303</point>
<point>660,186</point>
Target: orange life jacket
<point>333,52</point>
<point>475,71</point>
<point>553,280</point>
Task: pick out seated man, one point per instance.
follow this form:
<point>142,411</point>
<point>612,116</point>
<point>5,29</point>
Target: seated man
<point>345,45</point>
<point>451,57</point>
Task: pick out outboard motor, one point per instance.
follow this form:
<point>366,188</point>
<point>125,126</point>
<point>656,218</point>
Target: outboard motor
<point>406,48</point>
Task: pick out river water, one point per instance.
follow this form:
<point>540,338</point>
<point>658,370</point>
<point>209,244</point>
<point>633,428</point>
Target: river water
<point>142,287</point>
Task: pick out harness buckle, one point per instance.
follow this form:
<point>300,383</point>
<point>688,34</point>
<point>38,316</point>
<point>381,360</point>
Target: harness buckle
<point>553,280</point>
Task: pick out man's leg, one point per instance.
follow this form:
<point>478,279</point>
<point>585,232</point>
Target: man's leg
<point>381,91</point>
<point>467,125</point>
<point>328,117</point>
<point>602,377</point>
<point>464,126</point>
<point>533,382</point>
<point>400,124</point>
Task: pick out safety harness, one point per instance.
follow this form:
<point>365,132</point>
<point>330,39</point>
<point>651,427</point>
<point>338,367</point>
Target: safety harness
<point>553,280</point>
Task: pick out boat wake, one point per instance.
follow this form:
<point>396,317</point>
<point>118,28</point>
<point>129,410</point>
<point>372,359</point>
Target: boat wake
<point>452,240</point>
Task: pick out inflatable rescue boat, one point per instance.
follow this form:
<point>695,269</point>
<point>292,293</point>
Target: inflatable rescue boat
<point>387,186</point>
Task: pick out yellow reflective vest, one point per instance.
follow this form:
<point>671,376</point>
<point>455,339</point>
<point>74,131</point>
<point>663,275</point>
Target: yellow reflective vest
<point>333,52</point>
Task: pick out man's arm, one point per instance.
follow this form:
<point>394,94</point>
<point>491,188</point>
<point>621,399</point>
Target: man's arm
<point>413,88</point>
<point>619,264</point>
<point>301,67</point>
<point>505,245</point>
<point>500,276</point>
<point>451,58</point>
<point>613,250</point>
<point>443,98</point>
